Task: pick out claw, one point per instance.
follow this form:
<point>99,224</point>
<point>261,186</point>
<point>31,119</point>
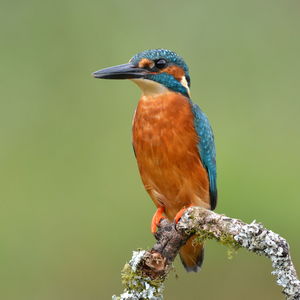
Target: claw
<point>180,213</point>
<point>156,218</point>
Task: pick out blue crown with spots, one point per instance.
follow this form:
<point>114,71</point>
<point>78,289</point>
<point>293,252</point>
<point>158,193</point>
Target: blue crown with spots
<point>156,54</point>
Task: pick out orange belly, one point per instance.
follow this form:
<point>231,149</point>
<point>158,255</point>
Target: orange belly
<point>165,144</point>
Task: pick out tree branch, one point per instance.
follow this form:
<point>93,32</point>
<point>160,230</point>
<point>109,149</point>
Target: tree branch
<point>146,272</point>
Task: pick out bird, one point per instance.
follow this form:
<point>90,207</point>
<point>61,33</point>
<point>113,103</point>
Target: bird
<point>172,139</point>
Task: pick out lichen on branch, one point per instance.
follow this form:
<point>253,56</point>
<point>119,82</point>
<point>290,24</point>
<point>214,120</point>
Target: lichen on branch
<point>137,284</point>
<point>146,272</point>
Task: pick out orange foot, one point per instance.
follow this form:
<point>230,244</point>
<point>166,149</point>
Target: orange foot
<point>181,212</point>
<point>156,218</point>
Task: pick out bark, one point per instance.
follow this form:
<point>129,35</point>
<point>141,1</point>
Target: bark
<point>146,272</point>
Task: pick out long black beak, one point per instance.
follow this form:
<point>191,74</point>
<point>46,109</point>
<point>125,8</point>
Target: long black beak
<point>125,71</point>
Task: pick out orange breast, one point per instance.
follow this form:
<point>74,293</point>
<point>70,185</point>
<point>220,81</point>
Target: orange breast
<point>165,144</point>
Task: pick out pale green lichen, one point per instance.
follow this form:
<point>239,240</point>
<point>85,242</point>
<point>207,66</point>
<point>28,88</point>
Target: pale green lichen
<point>231,244</point>
<point>225,239</point>
<point>137,286</point>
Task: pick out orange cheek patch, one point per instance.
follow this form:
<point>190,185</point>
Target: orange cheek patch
<point>146,63</point>
<point>176,71</point>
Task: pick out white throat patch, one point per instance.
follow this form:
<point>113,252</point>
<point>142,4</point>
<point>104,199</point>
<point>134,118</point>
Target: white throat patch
<point>153,88</point>
<point>150,87</point>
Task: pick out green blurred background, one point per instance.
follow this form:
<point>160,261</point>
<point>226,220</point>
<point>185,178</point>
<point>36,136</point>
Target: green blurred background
<point>72,203</point>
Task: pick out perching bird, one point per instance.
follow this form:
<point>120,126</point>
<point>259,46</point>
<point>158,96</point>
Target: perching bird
<point>172,140</point>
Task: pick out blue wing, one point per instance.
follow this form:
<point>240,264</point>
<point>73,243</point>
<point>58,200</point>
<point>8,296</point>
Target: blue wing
<point>207,150</point>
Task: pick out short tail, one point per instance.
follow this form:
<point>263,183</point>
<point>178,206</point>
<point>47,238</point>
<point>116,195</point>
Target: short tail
<point>192,255</point>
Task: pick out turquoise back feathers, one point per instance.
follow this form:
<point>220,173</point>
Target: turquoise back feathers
<point>207,150</point>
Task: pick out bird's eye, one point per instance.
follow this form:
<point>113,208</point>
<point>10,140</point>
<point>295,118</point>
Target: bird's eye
<point>160,64</point>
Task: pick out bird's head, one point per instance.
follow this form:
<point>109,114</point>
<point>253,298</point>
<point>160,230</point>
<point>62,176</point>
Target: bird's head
<point>154,71</point>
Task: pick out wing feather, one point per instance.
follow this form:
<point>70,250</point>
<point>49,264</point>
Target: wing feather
<point>207,150</point>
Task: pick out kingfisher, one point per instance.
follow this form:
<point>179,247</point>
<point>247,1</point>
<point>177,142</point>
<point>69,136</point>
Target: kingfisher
<point>172,141</point>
